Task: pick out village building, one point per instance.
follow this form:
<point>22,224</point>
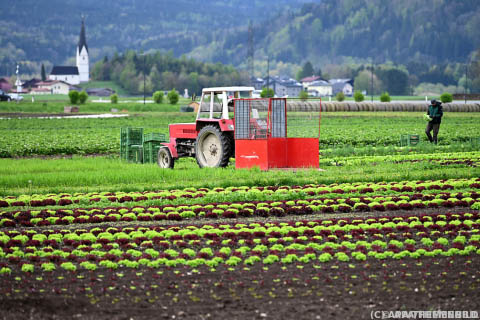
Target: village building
<point>282,86</point>
<point>307,81</point>
<point>5,86</point>
<point>82,55</point>
<point>342,85</point>
<point>319,88</point>
<point>257,83</point>
<point>100,92</point>
<point>37,90</point>
<point>194,105</point>
<point>75,74</point>
<point>67,74</point>
<point>54,87</point>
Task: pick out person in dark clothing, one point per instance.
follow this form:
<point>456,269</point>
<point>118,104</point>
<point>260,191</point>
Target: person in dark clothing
<point>435,113</point>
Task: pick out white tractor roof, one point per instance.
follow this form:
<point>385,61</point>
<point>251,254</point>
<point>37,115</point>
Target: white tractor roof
<point>228,89</point>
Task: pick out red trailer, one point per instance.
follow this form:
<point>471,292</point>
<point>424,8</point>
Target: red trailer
<point>229,124</point>
<point>261,136</point>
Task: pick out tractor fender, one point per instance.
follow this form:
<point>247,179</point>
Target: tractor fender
<point>226,125</point>
<point>172,147</point>
<point>223,124</point>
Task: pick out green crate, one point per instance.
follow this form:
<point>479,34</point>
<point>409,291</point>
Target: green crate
<point>133,153</point>
<point>160,137</point>
<point>131,136</point>
<point>150,151</point>
<point>409,140</point>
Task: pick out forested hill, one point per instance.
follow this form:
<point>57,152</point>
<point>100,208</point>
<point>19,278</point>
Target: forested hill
<point>48,31</point>
<point>430,31</point>
<point>290,31</point>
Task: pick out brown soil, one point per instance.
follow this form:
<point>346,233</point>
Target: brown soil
<point>277,293</point>
<point>37,115</point>
<point>334,290</point>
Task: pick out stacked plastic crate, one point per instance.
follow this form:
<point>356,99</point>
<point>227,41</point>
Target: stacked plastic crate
<point>409,140</point>
<point>131,144</point>
<point>151,145</point>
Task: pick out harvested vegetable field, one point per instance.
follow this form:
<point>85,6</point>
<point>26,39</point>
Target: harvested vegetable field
<point>379,228</point>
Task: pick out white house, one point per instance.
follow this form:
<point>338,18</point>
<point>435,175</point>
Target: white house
<point>307,81</point>
<point>320,88</point>
<point>284,86</point>
<point>67,74</point>
<point>55,87</point>
<point>344,85</point>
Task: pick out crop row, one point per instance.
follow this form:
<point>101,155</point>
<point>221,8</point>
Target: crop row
<point>472,158</point>
<point>245,192</point>
<point>31,218</point>
<point>212,245</point>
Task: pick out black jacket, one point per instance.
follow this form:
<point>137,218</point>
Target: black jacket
<point>435,112</point>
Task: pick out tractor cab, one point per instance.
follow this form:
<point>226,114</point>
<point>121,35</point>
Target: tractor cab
<point>210,138</point>
<point>217,103</point>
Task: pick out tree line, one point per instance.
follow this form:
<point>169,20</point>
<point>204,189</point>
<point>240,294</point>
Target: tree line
<point>162,71</point>
<point>404,79</point>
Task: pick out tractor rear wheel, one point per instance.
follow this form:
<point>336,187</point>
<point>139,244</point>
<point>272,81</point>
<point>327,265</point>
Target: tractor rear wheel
<point>213,148</point>
<point>165,159</point>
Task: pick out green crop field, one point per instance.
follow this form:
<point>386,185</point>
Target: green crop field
<point>79,174</point>
<point>26,137</point>
<point>79,225</point>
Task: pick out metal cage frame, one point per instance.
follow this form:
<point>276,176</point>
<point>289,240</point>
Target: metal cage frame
<point>268,145</point>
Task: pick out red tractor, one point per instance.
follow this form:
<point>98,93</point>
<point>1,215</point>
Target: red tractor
<point>230,123</point>
<point>210,139</point>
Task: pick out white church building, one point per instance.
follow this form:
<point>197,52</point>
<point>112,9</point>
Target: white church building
<point>80,73</point>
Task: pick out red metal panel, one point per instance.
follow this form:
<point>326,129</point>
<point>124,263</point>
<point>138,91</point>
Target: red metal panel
<point>277,152</point>
<point>183,130</point>
<point>251,153</point>
<point>302,153</point>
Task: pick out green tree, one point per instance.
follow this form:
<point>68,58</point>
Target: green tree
<point>155,78</point>
<point>114,98</point>
<point>74,96</point>
<point>340,96</point>
<point>158,97</point>
<point>148,85</point>
<point>306,71</point>
<point>43,74</point>
<point>173,96</point>
<point>267,93</point>
<point>385,97</point>
<point>82,97</point>
<point>363,82</point>
<point>394,80</point>
<point>358,96</point>
<point>446,97</point>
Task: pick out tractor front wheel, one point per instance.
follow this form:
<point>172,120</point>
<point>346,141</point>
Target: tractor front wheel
<point>165,159</point>
<point>212,148</point>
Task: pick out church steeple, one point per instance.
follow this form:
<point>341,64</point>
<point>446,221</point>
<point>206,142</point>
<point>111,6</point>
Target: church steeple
<point>82,41</point>
<point>82,55</point>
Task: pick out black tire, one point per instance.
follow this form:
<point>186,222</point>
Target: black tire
<point>165,159</point>
<point>232,144</point>
<point>213,148</point>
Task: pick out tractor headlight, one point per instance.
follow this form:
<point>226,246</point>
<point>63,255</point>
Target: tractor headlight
<point>230,126</point>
